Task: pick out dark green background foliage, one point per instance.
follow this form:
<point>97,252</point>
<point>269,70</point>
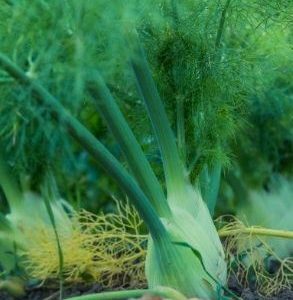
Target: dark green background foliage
<point>222,69</point>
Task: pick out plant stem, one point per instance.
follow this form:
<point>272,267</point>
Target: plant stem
<point>47,192</point>
<point>89,142</point>
<point>173,167</point>
<point>257,231</point>
<point>162,292</point>
<point>14,286</point>
<point>136,159</point>
<point>181,128</point>
<point>210,178</point>
<point>9,185</point>
<point>221,25</point>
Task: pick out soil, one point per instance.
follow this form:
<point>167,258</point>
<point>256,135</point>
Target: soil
<point>52,293</point>
<point>251,294</point>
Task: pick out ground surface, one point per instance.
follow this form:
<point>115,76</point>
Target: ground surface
<point>52,293</point>
<point>251,294</point>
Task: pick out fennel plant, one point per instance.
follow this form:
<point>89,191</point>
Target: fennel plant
<point>172,249</point>
<point>94,64</point>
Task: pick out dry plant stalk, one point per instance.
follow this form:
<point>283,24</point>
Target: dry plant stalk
<point>246,251</point>
<point>106,248</point>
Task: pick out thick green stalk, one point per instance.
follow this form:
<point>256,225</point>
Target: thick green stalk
<point>210,184</point>
<point>48,194</point>
<point>14,286</point>
<point>93,146</point>
<point>136,159</point>
<point>161,292</point>
<point>181,141</point>
<point>173,167</point>
<point>221,24</point>
<point>9,185</point>
<point>5,226</point>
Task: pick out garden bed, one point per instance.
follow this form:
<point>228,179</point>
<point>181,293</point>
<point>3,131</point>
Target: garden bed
<point>51,292</point>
